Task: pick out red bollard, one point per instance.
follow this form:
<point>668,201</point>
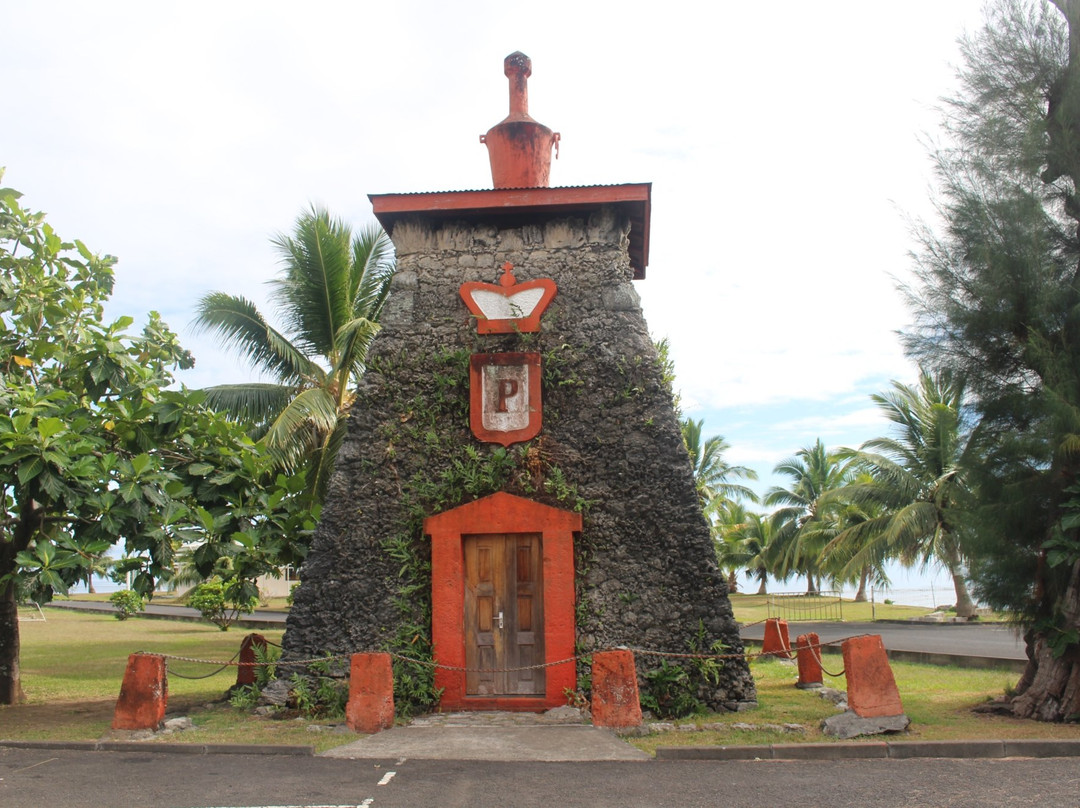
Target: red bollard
<point>143,694</point>
<point>371,693</point>
<point>871,688</point>
<point>245,673</point>
<point>808,652</point>
<point>615,702</point>
<point>776,640</point>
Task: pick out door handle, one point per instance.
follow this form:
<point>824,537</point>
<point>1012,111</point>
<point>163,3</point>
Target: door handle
<point>500,619</point>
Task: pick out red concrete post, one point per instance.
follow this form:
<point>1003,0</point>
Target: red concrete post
<point>615,700</point>
<point>871,688</point>
<point>808,653</point>
<point>776,641</point>
<point>143,694</point>
<point>245,673</point>
<point>371,693</point>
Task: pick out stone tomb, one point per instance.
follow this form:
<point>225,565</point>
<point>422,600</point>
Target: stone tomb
<point>608,447</point>
<point>514,491</point>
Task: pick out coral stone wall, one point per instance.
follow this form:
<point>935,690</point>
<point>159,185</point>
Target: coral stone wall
<point>610,446</point>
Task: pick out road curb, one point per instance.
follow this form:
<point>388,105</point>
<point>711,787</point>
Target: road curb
<point>164,748</point>
<point>896,750</point>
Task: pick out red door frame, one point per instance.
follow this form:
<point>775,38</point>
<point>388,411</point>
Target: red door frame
<point>502,513</point>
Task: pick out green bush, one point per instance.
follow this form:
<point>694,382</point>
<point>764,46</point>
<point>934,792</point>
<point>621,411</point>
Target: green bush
<point>127,603</point>
<point>219,603</point>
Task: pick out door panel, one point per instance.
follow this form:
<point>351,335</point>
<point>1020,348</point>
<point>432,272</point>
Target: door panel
<point>503,614</point>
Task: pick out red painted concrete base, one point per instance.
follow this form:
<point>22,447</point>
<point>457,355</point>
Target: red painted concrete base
<point>143,694</point>
<point>371,693</point>
<point>871,688</point>
<point>808,653</point>
<point>776,640</point>
<point>245,673</point>
<point>615,700</point>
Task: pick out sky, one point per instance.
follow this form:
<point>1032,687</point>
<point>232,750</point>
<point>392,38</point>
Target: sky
<point>786,143</point>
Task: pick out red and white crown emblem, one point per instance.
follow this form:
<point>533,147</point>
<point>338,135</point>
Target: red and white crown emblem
<point>508,306</point>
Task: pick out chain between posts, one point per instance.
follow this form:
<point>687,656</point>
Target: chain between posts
<point>461,669</point>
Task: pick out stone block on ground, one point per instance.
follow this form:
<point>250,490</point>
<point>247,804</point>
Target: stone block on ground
<point>776,641</point>
<point>371,693</point>
<point>615,702</point>
<point>808,652</point>
<point>143,694</point>
<point>871,688</point>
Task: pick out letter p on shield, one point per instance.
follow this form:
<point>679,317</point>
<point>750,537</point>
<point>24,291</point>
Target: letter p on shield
<point>505,397</point>
<point>507,389</point>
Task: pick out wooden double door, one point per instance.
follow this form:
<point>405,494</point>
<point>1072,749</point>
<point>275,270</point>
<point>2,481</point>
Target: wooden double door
<point>504,613</point>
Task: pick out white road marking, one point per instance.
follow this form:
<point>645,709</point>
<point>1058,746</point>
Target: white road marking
<point>387,778</point>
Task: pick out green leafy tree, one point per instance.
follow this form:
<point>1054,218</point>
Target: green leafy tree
<point>798,542</point>
<point>715,478</point>
<point>329,295</point>
<point>916,483</point>
<point>95,449</point>
<point>743,543</point>
<point>997,301</point>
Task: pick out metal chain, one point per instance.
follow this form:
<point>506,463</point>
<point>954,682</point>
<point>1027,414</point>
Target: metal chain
<point>748,656</point>
<point>815,650</point>
<point>205,675</point>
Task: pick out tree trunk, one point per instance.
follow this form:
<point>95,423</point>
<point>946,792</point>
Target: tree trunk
<point>811,586</point>
<point>1050,687</point>
<point>10,685</point>
<point>964,606</point>
<point>90,582</point>
<point>732,582</point>
<point>762,586</point>
<point>860,596</point>
<point>10,679</point>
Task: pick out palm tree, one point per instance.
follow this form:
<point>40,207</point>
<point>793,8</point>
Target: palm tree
<point>918,477</point>
<point>742,542</point>
<point>798,540</point>
<point>714,477</point>
<point>330,294</point>
<point>835,516</point>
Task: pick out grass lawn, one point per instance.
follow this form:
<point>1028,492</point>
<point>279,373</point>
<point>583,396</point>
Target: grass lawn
<point>938,700</point>
<point>73,665</point>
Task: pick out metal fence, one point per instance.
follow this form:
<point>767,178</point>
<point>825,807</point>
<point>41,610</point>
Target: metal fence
<point>803,608</point>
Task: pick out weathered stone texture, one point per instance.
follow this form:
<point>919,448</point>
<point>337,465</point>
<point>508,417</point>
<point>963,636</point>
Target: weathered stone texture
<point>647,575</point>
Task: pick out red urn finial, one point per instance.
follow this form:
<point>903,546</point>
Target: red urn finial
<point>519,147</point>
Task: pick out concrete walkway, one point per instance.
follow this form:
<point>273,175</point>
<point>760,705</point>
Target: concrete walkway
<point>485,737</point>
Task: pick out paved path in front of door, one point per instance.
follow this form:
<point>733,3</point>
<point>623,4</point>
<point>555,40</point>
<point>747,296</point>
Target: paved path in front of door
<point>558,735</point>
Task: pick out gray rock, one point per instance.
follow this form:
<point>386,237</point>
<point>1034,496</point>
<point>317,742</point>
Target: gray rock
<point>564,715</point>
<point>275,694</point>
<point>661,726</point>
<point>177,724</point>
<point>849,725</point>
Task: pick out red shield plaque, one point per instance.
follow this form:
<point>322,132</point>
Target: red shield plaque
<point>504,397</point>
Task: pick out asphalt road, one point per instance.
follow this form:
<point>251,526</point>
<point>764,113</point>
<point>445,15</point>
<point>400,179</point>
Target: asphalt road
<point>44,777</point>
<point>987,641</point>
